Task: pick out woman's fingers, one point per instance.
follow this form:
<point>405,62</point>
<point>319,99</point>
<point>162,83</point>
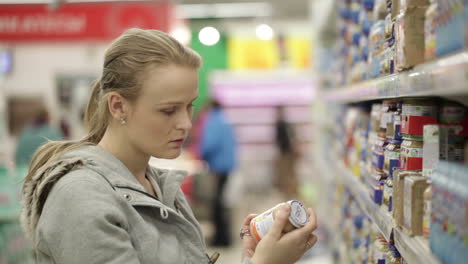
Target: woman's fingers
<point>311,240</point>
<point>311,226</point>
<point>281,219</point>
<point>248,219</point>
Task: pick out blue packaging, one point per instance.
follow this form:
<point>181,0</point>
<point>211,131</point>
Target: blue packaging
<point>450,30</point>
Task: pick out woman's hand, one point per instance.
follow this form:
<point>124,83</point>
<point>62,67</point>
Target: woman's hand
<point>248,242</point>
<point>279,248</point>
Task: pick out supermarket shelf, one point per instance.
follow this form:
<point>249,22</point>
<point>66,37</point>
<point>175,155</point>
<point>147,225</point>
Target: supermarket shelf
<point>414,249</point>
<point>382,219</point>
<point>447,76</point>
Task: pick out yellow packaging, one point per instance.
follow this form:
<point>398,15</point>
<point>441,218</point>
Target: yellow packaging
<point>413,204</point>
<point>430,25</point>
<point>409,35</point>
<point>398,193</point>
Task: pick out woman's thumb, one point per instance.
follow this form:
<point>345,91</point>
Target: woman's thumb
<point>281,219</point>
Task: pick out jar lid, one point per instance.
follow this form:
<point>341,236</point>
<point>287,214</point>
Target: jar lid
<point>299,216</point>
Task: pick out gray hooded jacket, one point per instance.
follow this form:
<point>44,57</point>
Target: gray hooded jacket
<point>88,208</point>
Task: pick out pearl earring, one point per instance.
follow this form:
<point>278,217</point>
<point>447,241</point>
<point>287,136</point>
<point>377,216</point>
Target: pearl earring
<point>122,121</point>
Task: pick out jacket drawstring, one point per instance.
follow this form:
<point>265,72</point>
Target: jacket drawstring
<point>164,213</point>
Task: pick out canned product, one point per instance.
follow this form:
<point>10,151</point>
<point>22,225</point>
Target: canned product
<point>392,157</point>
<point>378,154</point>
<point>388,194</point>
<point>261,224</point>
<point>394,131</point>
<point>416,113</point>
<point>386,116</point>
<point>411,155</point>
<point>375,117</point>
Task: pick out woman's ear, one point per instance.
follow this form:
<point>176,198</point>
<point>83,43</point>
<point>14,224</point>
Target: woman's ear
<point>117,106</point>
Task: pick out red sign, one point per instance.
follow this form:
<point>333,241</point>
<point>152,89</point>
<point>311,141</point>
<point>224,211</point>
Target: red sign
<point>81,21</point>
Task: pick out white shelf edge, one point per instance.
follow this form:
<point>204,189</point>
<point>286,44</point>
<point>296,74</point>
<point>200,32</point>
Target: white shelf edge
<point>377,214</point>
<point>429,79</point>
<point>414,249</point>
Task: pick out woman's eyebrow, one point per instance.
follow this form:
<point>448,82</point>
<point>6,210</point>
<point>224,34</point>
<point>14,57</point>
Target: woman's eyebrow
<point>175,102</point>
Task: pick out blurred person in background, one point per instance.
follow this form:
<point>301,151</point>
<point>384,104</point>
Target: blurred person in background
<point>286,177</point>
<point>34,135</point>
<point>96,200</point>
<point>218,149</point>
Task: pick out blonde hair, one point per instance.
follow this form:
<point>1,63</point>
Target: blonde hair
<point>125,63</point>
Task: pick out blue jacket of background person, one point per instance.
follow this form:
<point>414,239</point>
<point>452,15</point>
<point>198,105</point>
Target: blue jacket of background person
<point>218,144</point>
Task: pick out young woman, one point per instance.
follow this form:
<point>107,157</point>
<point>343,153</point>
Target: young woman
<point>96,200</point>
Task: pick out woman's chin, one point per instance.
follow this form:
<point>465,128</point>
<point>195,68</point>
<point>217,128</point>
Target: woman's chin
<point>170,154</point>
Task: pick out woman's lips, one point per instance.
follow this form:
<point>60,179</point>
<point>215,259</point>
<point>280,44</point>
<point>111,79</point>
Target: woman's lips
<point>178,142</point>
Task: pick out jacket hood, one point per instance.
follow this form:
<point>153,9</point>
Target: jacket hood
<point>36,191</point>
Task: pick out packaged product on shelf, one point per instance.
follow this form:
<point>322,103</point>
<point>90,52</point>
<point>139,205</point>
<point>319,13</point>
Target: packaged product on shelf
<point>413,204</point>
<point>399,192</point>
<point>389,107</point>
<point>376,48</point>
<point>451,113</point>
<point>364,50</point>
<point>449,213</point>
<point>261,224</point>
<point>389,30</point>
<point>411,155</point>
<point>380,10</point>
<point>387,200</point>
<point>405,4</point>
<point>394,257</point>
<point>427,211</point>
<point>409,35</point>
<point>379,153</point>
<point>416,113</point>
<point>393,7</point>
<point>391,164</point>
<point>381,250</point>
<point>366,21</point>
<point>451,26</point>
<point>387,65</point>
<point>377,190</point>
<point>435,137</point>
<point>394,129</point>
<point>430,25</point>
<point>441,144</point>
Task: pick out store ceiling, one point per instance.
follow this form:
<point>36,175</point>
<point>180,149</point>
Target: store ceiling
<point>281,9</point>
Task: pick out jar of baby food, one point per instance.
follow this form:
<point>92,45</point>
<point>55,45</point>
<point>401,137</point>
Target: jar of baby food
<point>261,224</point>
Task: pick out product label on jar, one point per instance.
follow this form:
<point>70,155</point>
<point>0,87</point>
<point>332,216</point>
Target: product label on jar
<point>410,152</point>
<point>419,110</point>
<point>262,224</point>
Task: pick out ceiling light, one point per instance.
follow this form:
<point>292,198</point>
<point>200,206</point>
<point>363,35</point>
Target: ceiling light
<point>264,32</point>
<point>182,33</point>
<point>209,36</point>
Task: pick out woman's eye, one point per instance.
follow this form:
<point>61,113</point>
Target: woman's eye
<point>168,111</point>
